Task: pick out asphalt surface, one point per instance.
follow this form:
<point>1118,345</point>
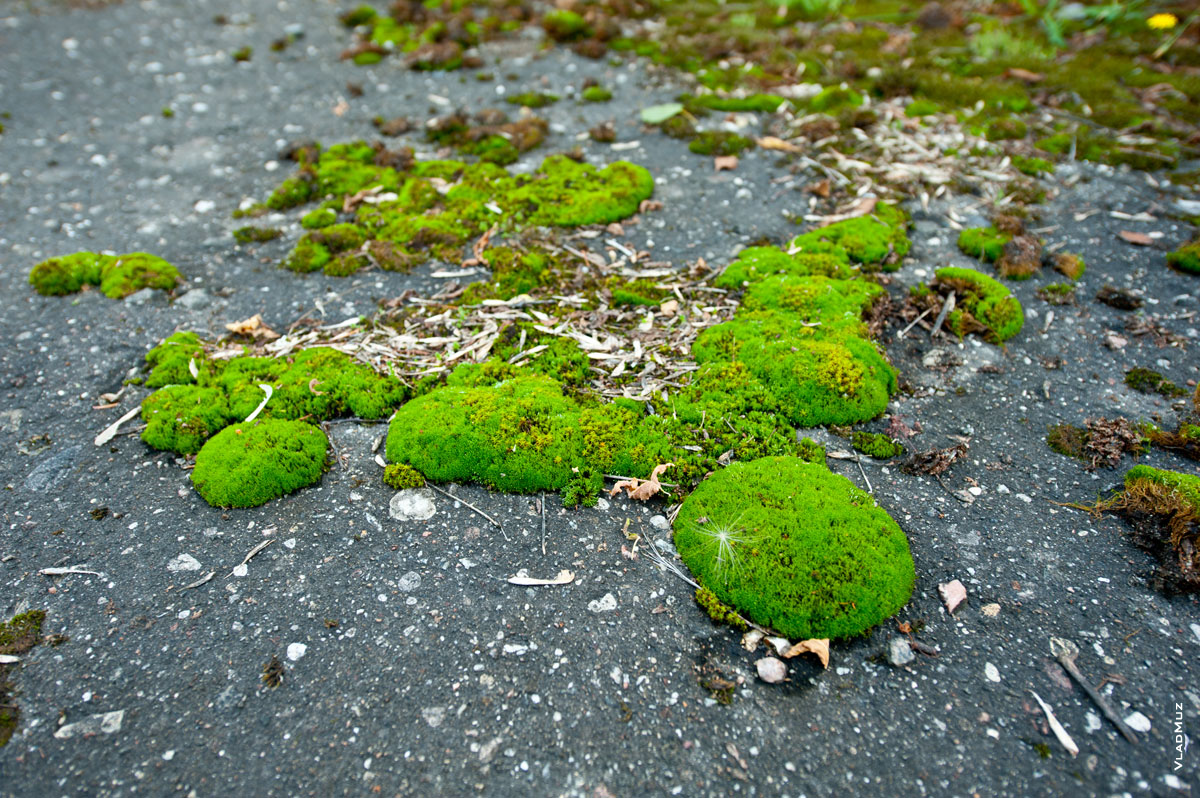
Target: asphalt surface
<point>411,665</point>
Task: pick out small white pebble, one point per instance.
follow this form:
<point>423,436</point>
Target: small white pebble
<point>296,650</point>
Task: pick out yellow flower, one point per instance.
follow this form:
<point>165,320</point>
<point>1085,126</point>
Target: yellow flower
<point>1162,21</point>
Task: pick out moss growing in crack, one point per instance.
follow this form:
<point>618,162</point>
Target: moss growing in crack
<point>596,94</point>
<point>246,465</point>
<point>720,613</point>
<point>532,99</point>
<point>398,476</point>
<point>719,142</point>
<point>792,546</point>
<point>877,445</point>
<point>983,243</point>
<point>834,98</point>
<point>1005,128</point>
<point>17,636</point>
<point>255,235</point>
<point>984,305</point>
<point>1186,258</point>
<point>1148,381</point>
<point>877,240</point>
<point>1032,166</point>
<point>761,103</point>
<point>117,276</point>
<point>316,250</point>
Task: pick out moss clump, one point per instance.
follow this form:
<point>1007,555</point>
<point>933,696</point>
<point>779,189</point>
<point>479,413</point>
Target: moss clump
<point>760,103</point>
<point>169,361</point>
<point>877,240</point>
<point>983,243</point>
<point>719,142</point>
<point>532,99</point>
<point>1068,440</point>
<point>984,305</point>
<point>877,445</point>
<point>757,263</point>
<point>921,107</point>
<point>1186,258</point>
<point>1057,293</point>
<point>522,434</point>
<point>1164,509</point>
<point>792,546</point>
<point>833,98</point>
<point>1005,128</point>
<point>246,465</point>
<point>398,476</point>
<point>720,613</point>
<point>1034,167</point>
<point>118,276</point>
<point>359,15</point>
<point>1148,381</point>
<point>254,235</point>
<point>564,26</point>
<point>243,53</point>
<point>318,218</point>
<point>180,418</point>
<point>596,94</point>
<point>1068,264</point>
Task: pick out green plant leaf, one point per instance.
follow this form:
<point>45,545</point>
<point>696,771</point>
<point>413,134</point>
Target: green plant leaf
<point>657,114</point>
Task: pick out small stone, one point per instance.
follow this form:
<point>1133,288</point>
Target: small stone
<point>771,670</point>
<point>607,603</point>
<point>204,206</point>
<point>241,569</point>
<point>991,610</point>
<point>196,299</point>
<point>900,652</point>
<point>660,522</point>
<point>140,297</point>
<point>409,582</point>
<point>1114,341</point>
<point>103,723</point>
<point>1138,722</point>
<point>1002,488</point>
<point>434,716</point>
<point>991,672</point>
<point>602,504</point>
<point>184,562</point>
<point>413,504</point>
<point>953,594</point>
<point>296,650</point>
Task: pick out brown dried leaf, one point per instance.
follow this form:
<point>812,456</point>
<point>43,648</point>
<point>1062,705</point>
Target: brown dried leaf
<point>639,489</point>
<point>725,163</point>
<point>822,188</point>
<point>1140,239</point>
<point>252,327</point>
<point>1024,74</point>
<point>818,646</point>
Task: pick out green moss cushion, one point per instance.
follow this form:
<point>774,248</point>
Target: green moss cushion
<point>983,302</point>
<point>118,276</point>
<point>795,547</point>
<point>246,465</point>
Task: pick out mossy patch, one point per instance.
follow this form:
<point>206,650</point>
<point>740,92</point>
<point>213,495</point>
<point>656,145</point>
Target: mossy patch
<point>596,94</point>
<point>1146,380</point>
<point>878,240</point>
<point>719,142</point>
<point>757,263</point>
<point>794,547</point>
<point>256,235</point>
<point>877,445</point>
<point>17,636</point>
<point>245,465</point>
<point>117,276</point>
<point>984,243</point>
<point>439,206</point>
<point>1186,258</point>
<point>532,99</point>
<point>398,476</point>
<point>1057,293</point>
<point>983,305</point>
<point>1068,264</point>
<point>1164,509</point>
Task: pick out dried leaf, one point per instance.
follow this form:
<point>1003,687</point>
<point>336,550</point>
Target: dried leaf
<point>818,646</point>
<point>860,208</point>
<point>724,163</point>
<point>110,431</point>
<point>252,327</point>
<point>657,114</point>
<point>822,188</point>
<point>1024,74</point>
<point>1140,239</point>
<point>775,143</point>
<point>1056,727</point>
<point>312,386</point>
<point>564,577</point>
<point>639,489</point>
<point>268,390</point>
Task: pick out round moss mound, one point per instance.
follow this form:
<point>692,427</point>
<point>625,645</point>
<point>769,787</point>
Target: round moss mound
<point>795,547</point>
<point>245,465</point>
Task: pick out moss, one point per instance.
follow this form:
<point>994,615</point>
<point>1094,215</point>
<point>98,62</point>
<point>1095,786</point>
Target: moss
<point>1186,258</point>
<point>68,274</point>
<point>921,107</point>
<point>564,26</point>
<point>983,243</point>
<point>678,127</point>
<point>521,435</point>
<point>719,142</point>
<point>879,239</point>
<point>1034,167</point>
<point>180,418</point>
<point>17,636</point>
<point>1005,128</point>
<point>295,190</point>
<point>877,445</point>
<point>251,235</point>
<point>792,546</point>
<point>318,218</point>
<point>833,98</point>
<point>1147,381</point>
<point>307,256</point>
<point>761,103</point>
<point>718,612</point>
<point>756,263</point>
<point>169,361</point>
<point>117,276</point>
<point>368,57</point>
<point>315,250</point>
<point>359,15</point>
<point>243,53</point>
<point>1068,264</point>
<point>398,476</point>
<point>1021,258</point>
<point>596,94</point>
<point>1164,508</point>
<point>1068,440</point>
<point>984,305</point>
<point>532,99</point>
<point>246,465</point>
<point>1057,293</point>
